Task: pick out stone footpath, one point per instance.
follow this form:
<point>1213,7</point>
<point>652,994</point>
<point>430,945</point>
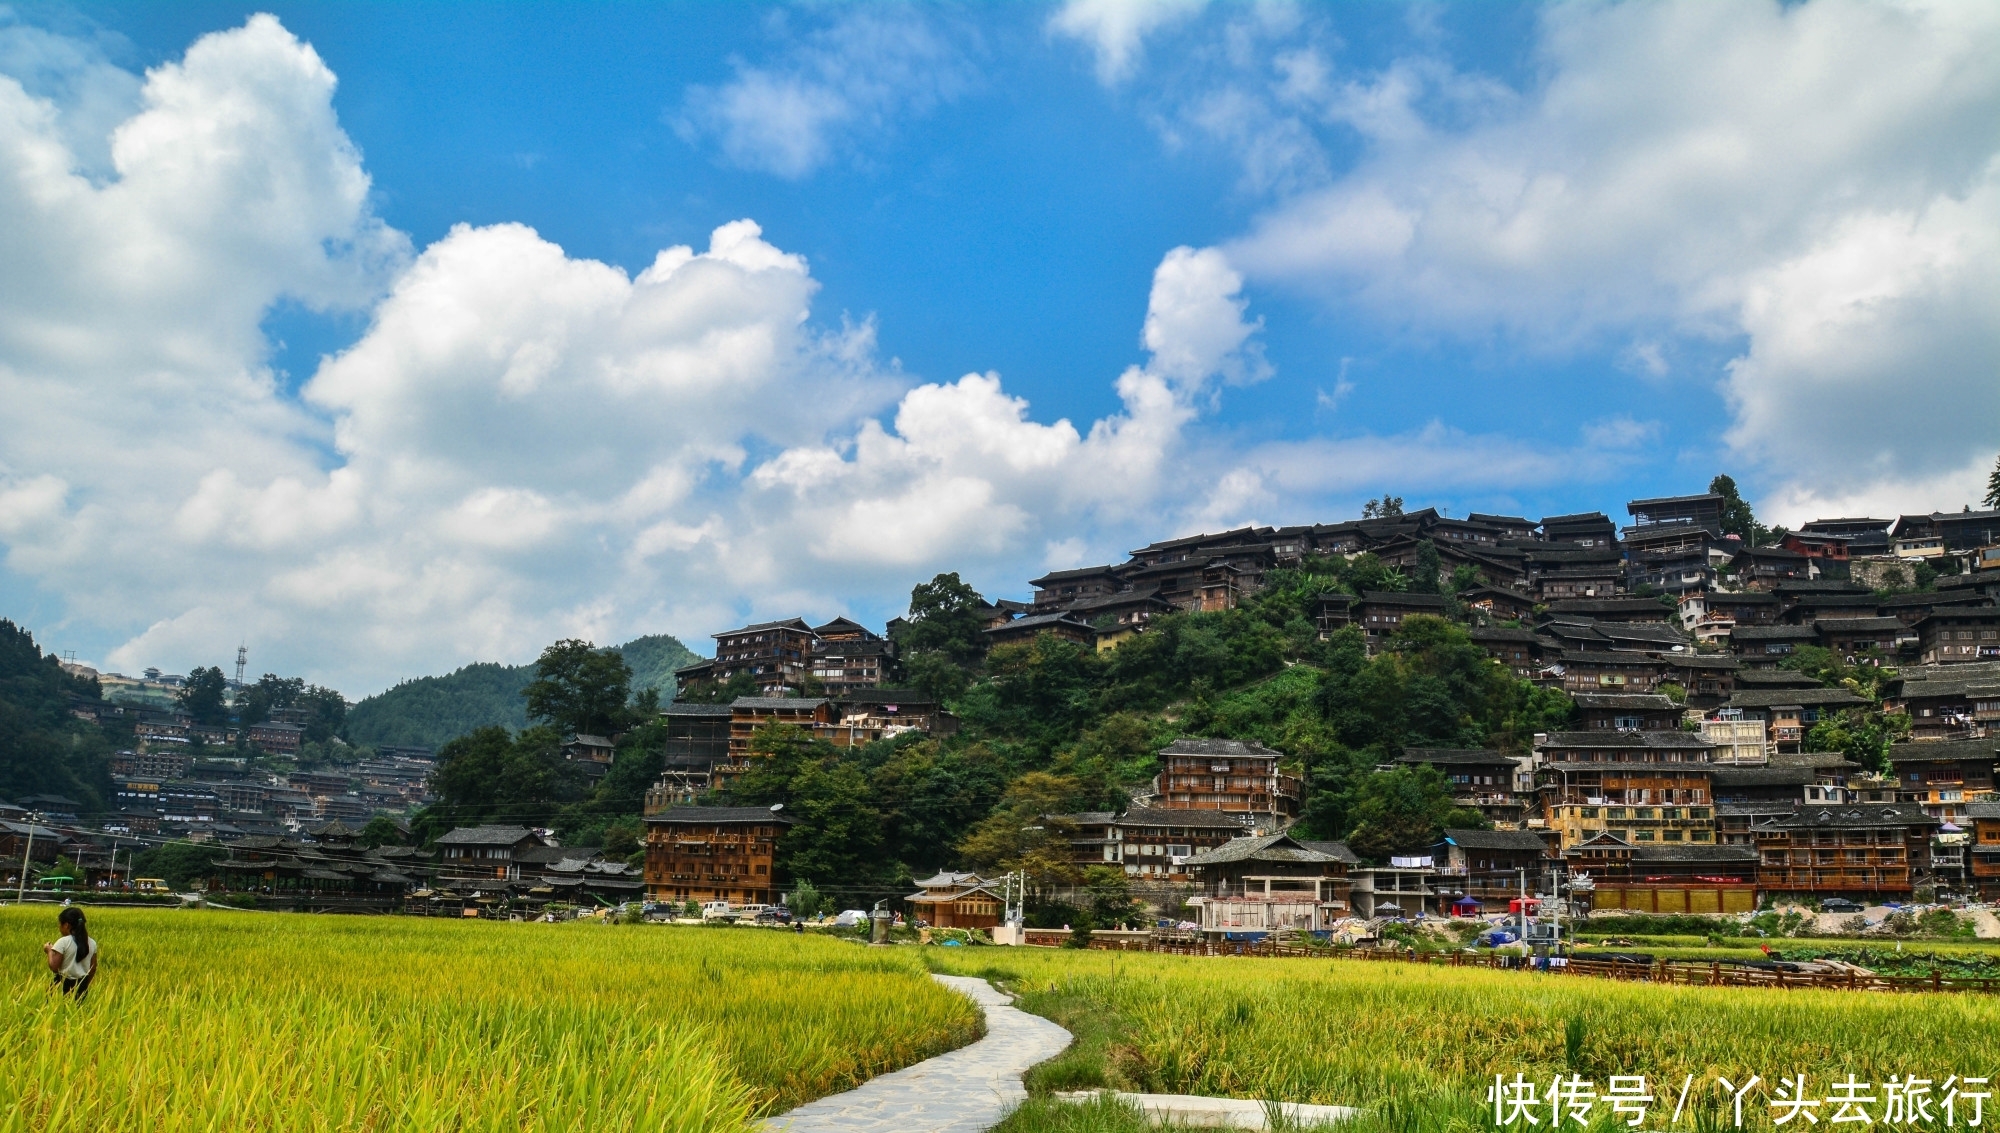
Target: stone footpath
<point>966,1091</point>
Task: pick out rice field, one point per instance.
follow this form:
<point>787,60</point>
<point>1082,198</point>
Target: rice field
<point>1418,1046</point>
<point>221,1021</point>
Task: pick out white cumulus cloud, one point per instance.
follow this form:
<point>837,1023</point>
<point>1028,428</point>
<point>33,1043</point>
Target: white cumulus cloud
<point>1819,182</point>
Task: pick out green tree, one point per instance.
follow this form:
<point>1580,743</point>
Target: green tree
<point>944,618</point>
<point>489,776</point>
<point>380,831</point>
<point>580,688</point>
<point>204,696</point>
<point>1992,498</point>
<point>740,684</point>
<point>1424,575</point>
<point>255,704</point>
<point>326,711</point>
<point>1737,518</point>
<point>1405,811</point>
<point>181,864</point>
<point>1111,902</point>
<point>1861,735</point>
<point>1388,507</point>
<point>933,673</point>
<point>806,901</point>
<point>44,749</point>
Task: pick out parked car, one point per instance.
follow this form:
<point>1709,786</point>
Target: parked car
<point>852,918</point>
<point>774,914</point>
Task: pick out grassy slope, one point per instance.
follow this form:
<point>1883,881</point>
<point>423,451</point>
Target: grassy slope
<point>1429,1040</point>
<point>431,710</point>
<point>244,1021</point>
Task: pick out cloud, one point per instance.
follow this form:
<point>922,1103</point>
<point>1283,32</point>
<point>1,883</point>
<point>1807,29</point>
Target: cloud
<point>827,92</point>
<point>524,444</point>
<point>964,472</point>
<point>1619,432</point>
<point>1116,30</point>
<point>1813,182</point>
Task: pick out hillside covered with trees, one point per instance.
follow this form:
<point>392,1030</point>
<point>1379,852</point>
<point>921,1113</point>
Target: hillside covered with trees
<point>44,750</point>
<point>1050,727</point>
<point>428,711</point>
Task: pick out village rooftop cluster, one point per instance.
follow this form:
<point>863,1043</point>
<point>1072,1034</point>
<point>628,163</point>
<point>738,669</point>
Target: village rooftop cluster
<point>1684,786</point>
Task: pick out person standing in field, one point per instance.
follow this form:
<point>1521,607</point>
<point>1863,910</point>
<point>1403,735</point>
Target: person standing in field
<point>73,956</point>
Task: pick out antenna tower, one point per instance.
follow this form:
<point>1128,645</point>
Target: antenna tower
<point>242,655</point>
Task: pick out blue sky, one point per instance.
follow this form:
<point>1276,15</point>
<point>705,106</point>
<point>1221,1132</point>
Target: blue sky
<point>1489,257</point>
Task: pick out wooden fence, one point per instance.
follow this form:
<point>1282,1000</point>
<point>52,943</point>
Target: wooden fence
<point>1696,973</point>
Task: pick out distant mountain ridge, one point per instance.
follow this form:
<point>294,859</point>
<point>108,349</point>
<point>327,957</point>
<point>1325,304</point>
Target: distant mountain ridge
<point>427,711</point>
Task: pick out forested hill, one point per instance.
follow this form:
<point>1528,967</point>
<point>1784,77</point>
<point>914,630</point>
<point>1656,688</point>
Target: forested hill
<point>431,710</point>
<point>43,749</point>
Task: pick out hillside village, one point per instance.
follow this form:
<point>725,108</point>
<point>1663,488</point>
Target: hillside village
<point>1266,728</point>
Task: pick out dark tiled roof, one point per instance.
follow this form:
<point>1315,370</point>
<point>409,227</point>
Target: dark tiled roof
<point>772,703</point>
<point>1814,759</point>
<point>1335,850</point>
<point>1782,697</point>
<point>1856,814</point>
<point>684,708</point>
<point>1040,621</point>
<point>1175,816</point>
<point>1269,848</point>
<point>788,623</point>
<point>1642,701</point>
<point>1187,746</point>
<point>1726,776</point>
<point>1390,598</point>
<point>1502,633</point>
<point>1686,853</point>
<point>1776,678</point>
<point>1525,840</point>
<point>1452,756</point>
<point>1609,606</point>
<point>1772,633</point>
<point>1661,739</point>
<point>485,836</point>
<point>723,815</point>
<point>1073,574</point>
<point>1932,750</point>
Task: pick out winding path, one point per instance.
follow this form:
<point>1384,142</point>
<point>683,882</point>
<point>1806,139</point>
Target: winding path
<point>966,1091</point>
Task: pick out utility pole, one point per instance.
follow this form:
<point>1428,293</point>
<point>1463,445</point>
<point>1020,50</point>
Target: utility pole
<point>27,856</point>
<point>1555,872</point>
<point>1524,912</point>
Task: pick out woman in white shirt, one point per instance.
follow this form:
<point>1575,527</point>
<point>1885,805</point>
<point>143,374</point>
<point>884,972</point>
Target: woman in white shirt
<point>73,956</point>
